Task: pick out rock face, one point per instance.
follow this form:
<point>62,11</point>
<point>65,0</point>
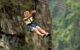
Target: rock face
<point>11,32</point>
<point>44,19</point>
<point>12,35</point>
<point>8,20</point>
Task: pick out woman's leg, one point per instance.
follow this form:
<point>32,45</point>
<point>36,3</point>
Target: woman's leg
<point>37,31</point>
<point>41,30</point>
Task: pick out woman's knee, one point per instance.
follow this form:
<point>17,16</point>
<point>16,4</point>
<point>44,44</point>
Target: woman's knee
<point>38,27</point>
<point>34,29</point>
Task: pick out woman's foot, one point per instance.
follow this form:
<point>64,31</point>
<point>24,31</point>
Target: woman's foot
<point>44,36</point>
<point>46,33</point>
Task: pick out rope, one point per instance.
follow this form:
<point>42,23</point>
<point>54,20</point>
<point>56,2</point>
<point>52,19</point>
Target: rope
<point>35,3</point>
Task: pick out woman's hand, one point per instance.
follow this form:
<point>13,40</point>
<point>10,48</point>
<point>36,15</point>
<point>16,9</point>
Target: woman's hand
<point>24,19</point>
<point>33,11</point>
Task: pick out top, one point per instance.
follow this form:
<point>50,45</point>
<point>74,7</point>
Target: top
<point>29,20</point>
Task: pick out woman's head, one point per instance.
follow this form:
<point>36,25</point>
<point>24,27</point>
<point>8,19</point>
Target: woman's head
<point>26,13</point>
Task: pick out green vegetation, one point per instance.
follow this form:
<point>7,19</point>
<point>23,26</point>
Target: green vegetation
<point>66,23</point>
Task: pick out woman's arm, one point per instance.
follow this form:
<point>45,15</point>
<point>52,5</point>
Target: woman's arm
<point>33,11</point>
<point>26,18</point>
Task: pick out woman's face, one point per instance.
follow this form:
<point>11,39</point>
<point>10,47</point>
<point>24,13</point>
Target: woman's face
<point>26,13</point>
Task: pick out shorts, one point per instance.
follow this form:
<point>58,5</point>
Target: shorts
<point>31,25</point>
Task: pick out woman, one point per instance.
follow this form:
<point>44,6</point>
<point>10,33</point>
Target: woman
<point>33,27</point>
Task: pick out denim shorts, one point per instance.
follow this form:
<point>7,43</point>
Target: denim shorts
<point>31,25</point>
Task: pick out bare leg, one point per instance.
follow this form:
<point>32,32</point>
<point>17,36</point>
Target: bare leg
<point>41,30</point>
<point>37,31</point>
